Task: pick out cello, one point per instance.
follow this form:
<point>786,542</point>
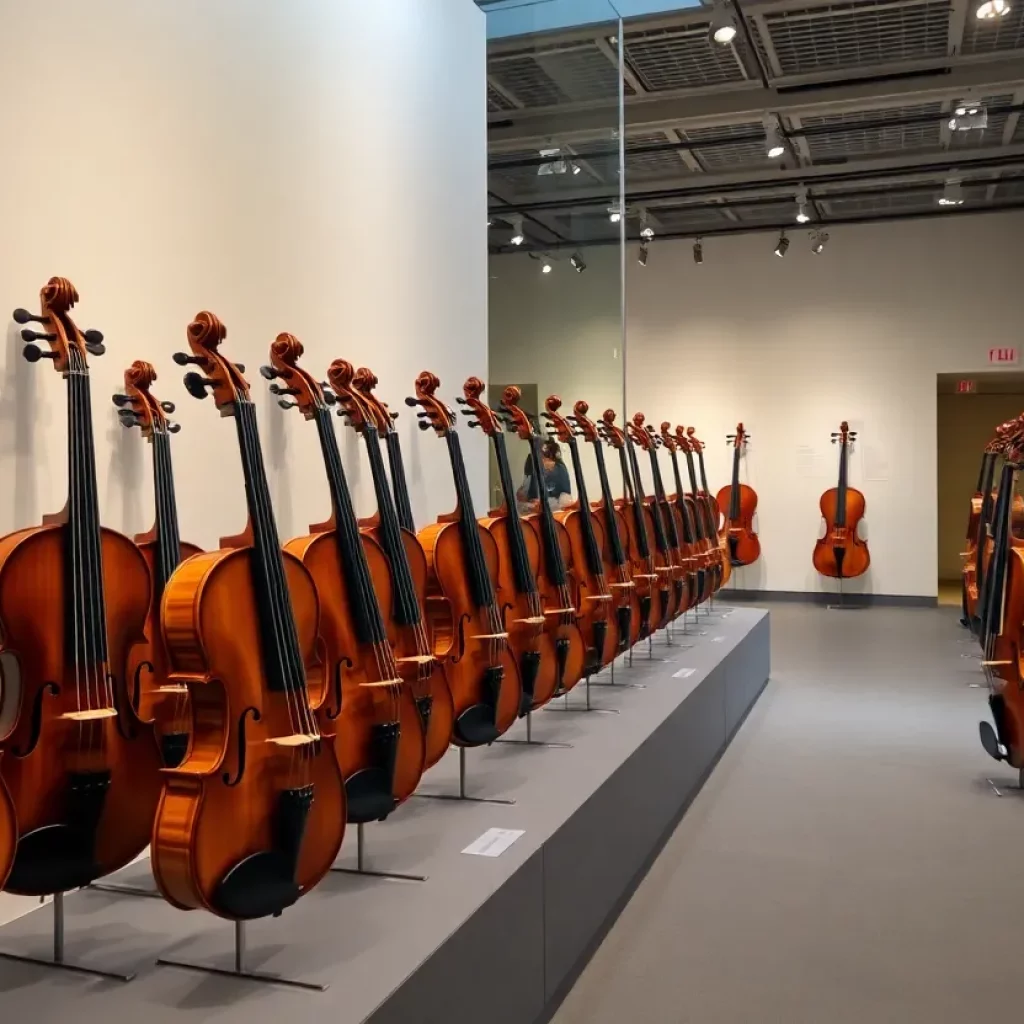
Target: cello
<point>464,604</point>
<point>557,580</point>
<point>254,816</point>
<point>737,504</point>
<point>380,739</point>
<point>840,553</point>
<point>156,701</point>
<point>697,446</point>
<point>407,631</point>
<point>541,653</point>
<point>81,768</point>
<point>597,620</point>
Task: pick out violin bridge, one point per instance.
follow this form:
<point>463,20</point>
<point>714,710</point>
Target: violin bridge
<point>90,716</point>
<point>559,611</point>
<point>383,682</point>
<point>489,636</point>
<point>170,688</point>
<point>296,740</point>
<point>598,597</point>
<point>533,620</point>
<point>629,584</point>
<point>992,664</point>
<point>417,659</point>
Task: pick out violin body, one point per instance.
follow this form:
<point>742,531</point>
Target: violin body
<point>156,702</point>
<point>653,598</point>
<point>482,672</point>
<point>380,768</point>
<point>532,644</point>
<point>670,582</point>
<point>1007,698</point>
<point>841,554</point>
<point>84,783</point>
<point>625,592</point>
<point>255,814</point>
<point>741,542</point>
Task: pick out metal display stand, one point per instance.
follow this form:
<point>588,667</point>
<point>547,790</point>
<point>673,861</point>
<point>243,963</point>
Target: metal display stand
<point>620,686</point>
<point>240,970</point>
<point>362,869</point>
<point>58,960</point>
<point>844,605</point>
<point>530,741</point>
<point>565,709</point>
<point>462,795</point>
<point>119,889</point>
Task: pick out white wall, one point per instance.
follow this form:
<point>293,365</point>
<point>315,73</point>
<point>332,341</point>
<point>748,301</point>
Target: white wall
<point>793,346</point>
<point>307,166</point>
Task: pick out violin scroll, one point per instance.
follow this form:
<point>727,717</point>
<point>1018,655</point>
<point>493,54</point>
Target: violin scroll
<point>638,432</point>
<point>612,434</point>
<point>587,427</point>
<point>138,407</point>
<point>486,419</point>
<point>68,344</point>
<point>519,421</point>
<point>740,438</point>
<point>434,414</point>
<point>561,425</point>
<point>205,333</point>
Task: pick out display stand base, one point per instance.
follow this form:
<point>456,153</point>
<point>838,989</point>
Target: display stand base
<point>125,890</point>
<point>362,869</point>
<point>240,970</point>
<point>611,684</point>
<point>462,795</point>
<point>844,605</point>
<point>58,960</point>
<point>530,741</point>
<point>564,707</point>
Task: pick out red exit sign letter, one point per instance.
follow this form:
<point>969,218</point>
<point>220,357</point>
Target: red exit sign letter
<point>966,387</point>
<point>1003,356</point>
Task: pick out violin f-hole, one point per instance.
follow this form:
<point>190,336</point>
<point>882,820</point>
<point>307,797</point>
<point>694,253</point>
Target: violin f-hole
<point>255,712</point>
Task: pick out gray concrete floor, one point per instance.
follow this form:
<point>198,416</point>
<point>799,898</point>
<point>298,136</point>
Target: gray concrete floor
<point>848,862</point>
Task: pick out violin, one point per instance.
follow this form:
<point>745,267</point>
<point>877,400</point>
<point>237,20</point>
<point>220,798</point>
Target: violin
<point>556,579</point>
<point>421,671</point>
<point>696,446</point>
<point>597,618</point>
<point>467,611</point>
<point>737,504</point>
<point>81,769</point>
<point>540,652</point>
<point>693,540</point>
<point>840,553</point>
<point>652,585</point>
<point>699,506</point>
<point>380,741</point>
<point>156,701</point>
<point>629,615</point>
<point>254,816</point>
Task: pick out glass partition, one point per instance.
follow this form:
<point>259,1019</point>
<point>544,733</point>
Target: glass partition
<point>556,229</point>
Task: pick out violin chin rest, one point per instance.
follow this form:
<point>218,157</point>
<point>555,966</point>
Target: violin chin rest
<point>476,726</point>
<point>368,795</point>
<point>261,885</point>
<point>990,741</point>
<point>54,858</point>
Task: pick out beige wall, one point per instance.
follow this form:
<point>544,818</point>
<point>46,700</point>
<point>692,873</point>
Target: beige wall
<point>965,425</point>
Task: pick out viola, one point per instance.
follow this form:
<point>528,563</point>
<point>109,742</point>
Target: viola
<point>156,701</point>
<point>541,653</point>
<point>698,505</point>
<point>556,579</point>
<point>652,583</point>
<point>466,609</point>
<point>254,816</point>
<point>630,617</point>
<point>81,769</point>
<point>597,618</point>
<point>737,504</point>
<point>692,533</point>
<point>696,446</point>
<point>380,738</point>
<point>422,672</point>
<point>840,553</point>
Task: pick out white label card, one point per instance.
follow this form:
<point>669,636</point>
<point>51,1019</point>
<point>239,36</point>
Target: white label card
<point>718,639</point>
<point>494,842</point>
<point>683,673</point>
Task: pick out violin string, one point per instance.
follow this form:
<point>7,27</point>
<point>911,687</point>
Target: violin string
<point>77,618</point>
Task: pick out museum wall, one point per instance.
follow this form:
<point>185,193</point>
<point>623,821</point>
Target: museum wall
<point>791,347</point>
<point>314,167</point>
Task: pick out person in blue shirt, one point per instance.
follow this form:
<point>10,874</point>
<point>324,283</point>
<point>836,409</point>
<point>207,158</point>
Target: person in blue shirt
<point>556,478</point>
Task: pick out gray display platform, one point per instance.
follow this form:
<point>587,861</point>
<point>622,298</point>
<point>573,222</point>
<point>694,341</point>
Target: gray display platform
<point>483,938</point>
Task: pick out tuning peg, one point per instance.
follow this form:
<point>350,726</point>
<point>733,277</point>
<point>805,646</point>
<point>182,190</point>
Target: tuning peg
<point>269,372</point>
<point>196,384</point>
<point>94,342</point>
<point>276,389</point>
<point>33,353</point>
<point>423,425</point>
<point>128,418</point>
<point>467,412</point>
<point>120,400</point>
<point>285,404</point>
<point>472,423</point>
<point>183,358</point>
<point>546,415</point>
<point>173,428</point>
<point>330,397</point>
<point>167,406</point>
<point>29,335</point>
<point>240,367</point>
<point>461,401</point>
<point>23,316</point>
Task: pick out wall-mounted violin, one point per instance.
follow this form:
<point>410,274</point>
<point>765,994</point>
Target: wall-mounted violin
<point>840,553</point>
<point>737,504</point>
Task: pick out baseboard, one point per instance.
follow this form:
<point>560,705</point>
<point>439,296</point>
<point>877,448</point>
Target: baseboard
<point>822,598</point>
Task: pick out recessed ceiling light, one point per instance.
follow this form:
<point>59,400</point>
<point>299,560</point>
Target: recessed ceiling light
<point>723,27</point>
<point>992,10</point>
<point>952,194</point>
<point>517,231</point>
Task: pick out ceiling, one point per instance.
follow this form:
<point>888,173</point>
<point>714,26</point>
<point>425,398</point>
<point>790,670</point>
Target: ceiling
<point>861,92</point>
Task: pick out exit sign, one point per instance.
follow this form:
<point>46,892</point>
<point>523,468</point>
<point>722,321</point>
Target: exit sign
<point>1003,356</point>
<point>966,387</point>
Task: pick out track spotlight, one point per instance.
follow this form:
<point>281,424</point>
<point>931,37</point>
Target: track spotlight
<point>576,262</point>
<point>968,114</point>
<point>614,213</point>
<point>644,253</point>
<point>576,169</point>
<point>780,249</point>
<point>819,239</point>
<point>698,252</point>
<point>517,231</point>
<point>722,28</point>
<point>952,194</point>
<point>992,10</point>
<point>545,267</point>
<point>646,231</point>
<point>802,216</point>
<point>772,140</point>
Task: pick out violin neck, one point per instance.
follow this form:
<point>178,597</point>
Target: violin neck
<point>524,579</point>
<point>661,508</point>
<point>282,657</point>
<point>593,552</point>
<point>634,494</point>
<point>610,522</point>
<point>691,531</point>
<point>406,610</point>
<point>85,611</point>
<point>841,506</point>
<point>703,472</point>
<point>734,495</point>
<point>168,539</point>
<point>479,578</point>
<point>399,483</point>
<point>552,549</point>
